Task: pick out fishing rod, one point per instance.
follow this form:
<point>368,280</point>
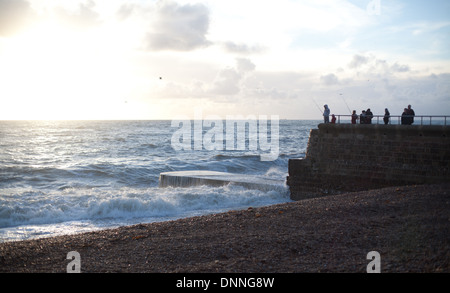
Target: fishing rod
<point>317,105</point>
<point>346,103</point>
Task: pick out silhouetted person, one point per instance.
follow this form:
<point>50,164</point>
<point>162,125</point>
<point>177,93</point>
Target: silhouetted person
<point>362,117</point>
<point>386,117</point>
<point>369,116</point>
<point>354,117</point>
<point>326,114</point>
<point>405,118</point>
<point>333,119</point>
<point>411,115</point>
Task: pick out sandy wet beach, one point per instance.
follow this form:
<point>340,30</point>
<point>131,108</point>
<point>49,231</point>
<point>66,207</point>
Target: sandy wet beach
<point>408,226</point>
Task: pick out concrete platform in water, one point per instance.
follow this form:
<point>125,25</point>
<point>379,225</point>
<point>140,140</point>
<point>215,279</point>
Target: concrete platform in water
<point>213,178</point>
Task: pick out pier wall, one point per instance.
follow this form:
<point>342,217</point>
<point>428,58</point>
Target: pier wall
<point>346,157</point>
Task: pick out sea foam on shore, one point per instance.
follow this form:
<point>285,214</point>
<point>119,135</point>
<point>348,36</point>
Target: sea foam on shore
<point>407,226</point>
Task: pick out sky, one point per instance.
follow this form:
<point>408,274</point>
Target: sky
<point>114,59</point>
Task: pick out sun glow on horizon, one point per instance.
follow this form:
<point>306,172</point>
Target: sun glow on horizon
<point>48,73</point>
<point>116,59</point>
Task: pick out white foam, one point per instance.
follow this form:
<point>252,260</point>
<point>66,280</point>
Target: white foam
<point>38,214</point>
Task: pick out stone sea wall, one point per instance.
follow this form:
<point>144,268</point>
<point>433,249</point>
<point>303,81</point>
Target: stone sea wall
<point>346,157</point>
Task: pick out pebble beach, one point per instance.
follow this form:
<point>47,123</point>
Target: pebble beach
<point>408,226</point>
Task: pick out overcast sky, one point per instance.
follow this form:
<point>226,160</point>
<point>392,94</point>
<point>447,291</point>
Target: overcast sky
<point>114,59</point>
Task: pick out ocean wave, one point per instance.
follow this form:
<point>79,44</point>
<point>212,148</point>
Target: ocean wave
<point>89,175</point>
<point>56,172</point>
<point>31,207</point>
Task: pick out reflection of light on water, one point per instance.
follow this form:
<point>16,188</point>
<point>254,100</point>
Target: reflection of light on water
<point>64,177</point>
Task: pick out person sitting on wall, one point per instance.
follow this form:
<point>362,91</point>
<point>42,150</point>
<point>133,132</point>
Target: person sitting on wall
<point>333,119</point>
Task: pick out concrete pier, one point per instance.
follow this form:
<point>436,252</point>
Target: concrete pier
<point>213,178</point>
<point>357,157</point>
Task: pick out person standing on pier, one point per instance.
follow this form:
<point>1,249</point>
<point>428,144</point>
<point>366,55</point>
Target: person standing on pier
<point>354,117</point>
<point>410,112</point>
<point>369,116</point>
<point>405,118</point>
<point>386,117</point>
<point>362,117</point>
<point>326,114</point>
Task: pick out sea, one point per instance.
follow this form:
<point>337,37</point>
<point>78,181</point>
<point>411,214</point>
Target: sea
<point>67,177</point>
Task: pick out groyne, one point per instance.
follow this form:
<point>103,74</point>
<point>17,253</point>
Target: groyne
<point>213,178</point>
<point>346,157</point>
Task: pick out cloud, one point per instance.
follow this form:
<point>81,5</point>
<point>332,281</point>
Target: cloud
<point>15,15</point>
<point>426,28</point>
<point>419,28</point>
<point>432,90</point>
<point>245,65</point>
<point>84,16</point>
<point>400,68</point>
<point>178,27</point>
<point>126,10</point>
<point>371,65</point>
<point>241,48</point>
<point>357,61</point>
<point>329,79</point>
<point>229,81</point>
